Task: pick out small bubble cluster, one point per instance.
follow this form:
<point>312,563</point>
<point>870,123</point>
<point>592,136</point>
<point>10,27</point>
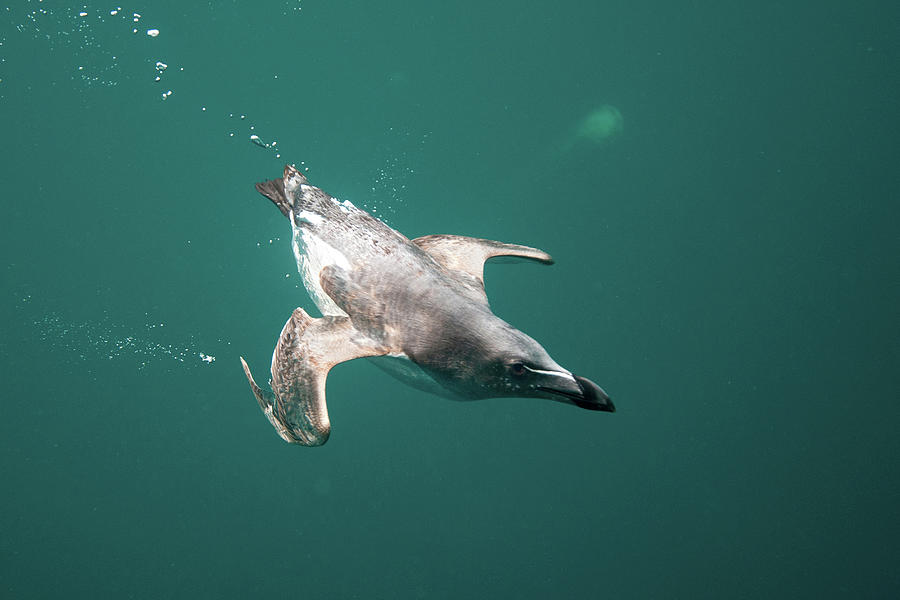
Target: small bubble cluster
<point>77,32</point>
<point>253,136</point>
<point>388,186</point>
<point>108,341</point>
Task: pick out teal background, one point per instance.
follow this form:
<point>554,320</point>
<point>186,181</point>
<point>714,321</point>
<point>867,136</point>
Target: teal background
<point>726,268</point>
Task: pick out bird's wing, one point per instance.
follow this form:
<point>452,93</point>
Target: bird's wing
<point>307,349</point>
<point>467,255</point>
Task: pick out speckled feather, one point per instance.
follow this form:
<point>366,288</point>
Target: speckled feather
<point>421,302</point>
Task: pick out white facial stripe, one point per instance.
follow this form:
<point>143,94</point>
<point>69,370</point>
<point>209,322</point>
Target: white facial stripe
<point>542,372</point>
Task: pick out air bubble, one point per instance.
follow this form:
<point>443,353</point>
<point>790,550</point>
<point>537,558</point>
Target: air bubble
<point>92,340</point>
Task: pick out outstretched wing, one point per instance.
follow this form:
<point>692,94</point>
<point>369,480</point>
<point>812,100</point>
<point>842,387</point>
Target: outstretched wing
<point>307,349</point>
<point>467,255</point>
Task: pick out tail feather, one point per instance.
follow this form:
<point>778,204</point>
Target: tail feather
<point>273,189</point>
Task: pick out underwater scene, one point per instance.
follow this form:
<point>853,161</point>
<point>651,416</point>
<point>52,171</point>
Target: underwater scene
<point>606,295</point>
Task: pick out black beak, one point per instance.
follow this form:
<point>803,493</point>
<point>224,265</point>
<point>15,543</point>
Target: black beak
<point>593,396</point>
<point>580,392</point>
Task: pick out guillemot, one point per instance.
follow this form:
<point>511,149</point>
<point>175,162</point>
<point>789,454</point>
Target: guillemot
<point>420,304</point>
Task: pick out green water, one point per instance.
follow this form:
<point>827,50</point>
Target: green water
<point>726,268</point>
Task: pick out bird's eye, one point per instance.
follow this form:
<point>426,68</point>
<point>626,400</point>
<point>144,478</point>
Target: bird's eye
<point>517,368</point>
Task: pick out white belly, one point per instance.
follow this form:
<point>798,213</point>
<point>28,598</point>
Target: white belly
<point>312,256</point>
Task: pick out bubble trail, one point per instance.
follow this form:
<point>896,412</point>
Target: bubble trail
<point>107,341</point>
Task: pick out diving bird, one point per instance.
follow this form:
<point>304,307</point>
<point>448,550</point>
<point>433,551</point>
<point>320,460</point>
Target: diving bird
<point>417,307</point>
